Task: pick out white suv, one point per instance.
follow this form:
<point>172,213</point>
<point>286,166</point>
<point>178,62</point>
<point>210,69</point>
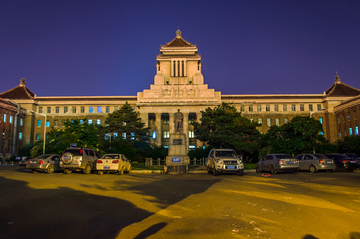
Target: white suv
<point>224,161</point>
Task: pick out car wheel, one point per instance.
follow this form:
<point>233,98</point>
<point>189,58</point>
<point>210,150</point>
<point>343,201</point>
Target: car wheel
<point>67,171</point>
<point>272,170</point>
<point>258,169</point>
<point>121,172</point>
<point>100,172</point>
<point>50,169</point>
<point>129,169</point>
<point>216,173</point>
<point>87,169</point>
<point>240,173</point>
<point>312,169</point>
<point>209,170</point>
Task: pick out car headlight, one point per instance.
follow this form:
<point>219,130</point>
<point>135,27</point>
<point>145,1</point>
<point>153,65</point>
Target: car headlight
<point>219,161</point>
<point>239,161</point>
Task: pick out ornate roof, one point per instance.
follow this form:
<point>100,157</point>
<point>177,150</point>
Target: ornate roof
<point>178,42</point>
<point>341,89</point>
<point>19,92</point>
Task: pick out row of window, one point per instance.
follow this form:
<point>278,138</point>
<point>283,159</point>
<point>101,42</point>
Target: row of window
<point>56,122</point>
<point>166,134</point>
<point>351,131</point>
<point>277,121</point>
<point>250,108</point>
<point>9,133</point>
<point>348,116</point>
<point>74,109</point>
<point>11,119</point>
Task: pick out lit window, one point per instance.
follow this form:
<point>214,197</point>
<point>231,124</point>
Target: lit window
<point>259,108</point>
<point>37,136</point>
<point>192,147</point>
<point>284,107</point>
<point>47,123</point>
<point>81,121</point>
<point>293,107</point>
<point>321,133</point>
<point>260,120</point>
<point>321,120</point>
<point>107,109</point>
<point>99,109</point>
<point>107,136</point>
<point>267,107</point>
<point>48,110</point>
<point>20,135</point>
<point>21,122</point>
<point>277,121</point>
<point>132,136</point>
<point>4,118</point>
<point>91,110</point>
<point>115,135</point>
<point>65,109</point>
<point>124,135</point>
<point>268,122</point>
<point>90,121</point>
<point>276,107</point>
<point>356,130</point>
<point>10,119</point>
<point>166,134</point>
<point>40,110</point>
<point>38,123</point>
<point>302,107</point>
<point>350,131</point>
<point>98,121</point>
<point>154,135</point>
<point>310,107</point>
<point>191,134</point>
<point>349,117</point>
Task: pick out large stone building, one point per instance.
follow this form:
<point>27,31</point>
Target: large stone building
<point>179,84</point>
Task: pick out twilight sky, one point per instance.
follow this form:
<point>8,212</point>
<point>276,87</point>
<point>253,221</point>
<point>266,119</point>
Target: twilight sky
<point>109,47</point>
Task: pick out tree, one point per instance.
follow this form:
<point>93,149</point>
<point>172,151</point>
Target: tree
<point>223,126</point>
<point>125,122</point>
<point>350,144</point>
<point>300,135</point>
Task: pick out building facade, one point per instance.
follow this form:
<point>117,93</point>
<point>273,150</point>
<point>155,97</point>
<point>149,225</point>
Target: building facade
<point>179,85</point>
<point>347,118</point>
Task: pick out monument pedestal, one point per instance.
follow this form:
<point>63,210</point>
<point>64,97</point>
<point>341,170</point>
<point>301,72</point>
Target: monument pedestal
<point>177,159</point>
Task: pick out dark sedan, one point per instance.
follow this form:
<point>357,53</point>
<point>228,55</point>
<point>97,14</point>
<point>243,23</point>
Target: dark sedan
<point>343,162</point>
<point>354,157</point>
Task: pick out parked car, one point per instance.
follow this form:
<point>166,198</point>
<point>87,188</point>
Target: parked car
<point>224,161</point>
<point>24,162</point>
<point>354,157</point>
<point>343,162</point>
<point>315,162</point>
<point>275,163</point>
<point>47,162</point>
<point>76,159</point>
<point>116,163</point>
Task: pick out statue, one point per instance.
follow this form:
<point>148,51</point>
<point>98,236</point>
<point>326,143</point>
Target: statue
<point>178,121</point>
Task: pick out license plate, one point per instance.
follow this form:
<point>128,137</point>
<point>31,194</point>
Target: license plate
<point>33,162</point>
<point>352,162</point>
<point>328,162</point>
<point>106,167</point>
<point>290,162</point>
<point>231,167</point>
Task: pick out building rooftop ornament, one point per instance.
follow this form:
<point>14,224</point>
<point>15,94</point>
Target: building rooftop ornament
<point>22,82</point>
<point>178,33</point>
<point>337,78</point>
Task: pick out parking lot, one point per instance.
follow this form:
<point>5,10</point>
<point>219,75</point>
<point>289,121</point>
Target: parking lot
<point>300,205</point>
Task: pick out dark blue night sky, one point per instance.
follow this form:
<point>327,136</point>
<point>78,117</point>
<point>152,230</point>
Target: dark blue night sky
<point>108,47</point>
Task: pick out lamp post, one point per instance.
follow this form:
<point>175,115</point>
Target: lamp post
<point>44,128</point>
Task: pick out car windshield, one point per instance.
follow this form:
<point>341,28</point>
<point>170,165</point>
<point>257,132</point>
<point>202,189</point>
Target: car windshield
<point>110,156</point>
<point>43,156</point>
<point>283,156</point>
<point>321,156</point>
<point>225,154</point>
<point>340,156</point>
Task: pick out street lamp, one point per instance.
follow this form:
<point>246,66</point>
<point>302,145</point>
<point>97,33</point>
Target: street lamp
<point>44,128</point>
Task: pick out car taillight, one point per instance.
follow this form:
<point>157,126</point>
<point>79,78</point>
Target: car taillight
<point>41,162</point>
<point>296,161</point>
<point>115,161</point>
<point>345,161</point>
<point>81,151</point>
<point>28,162</point>
<point>98,161</point>
<point>321,161</point>
<point>282,161</point>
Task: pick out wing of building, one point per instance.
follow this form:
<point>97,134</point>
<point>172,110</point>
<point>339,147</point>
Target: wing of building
<point>178,84</point>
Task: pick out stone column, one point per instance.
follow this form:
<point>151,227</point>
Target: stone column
<point>158,130</point>
<point>198,117</point>
<point>186,128</point>
<point>145,119</point>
